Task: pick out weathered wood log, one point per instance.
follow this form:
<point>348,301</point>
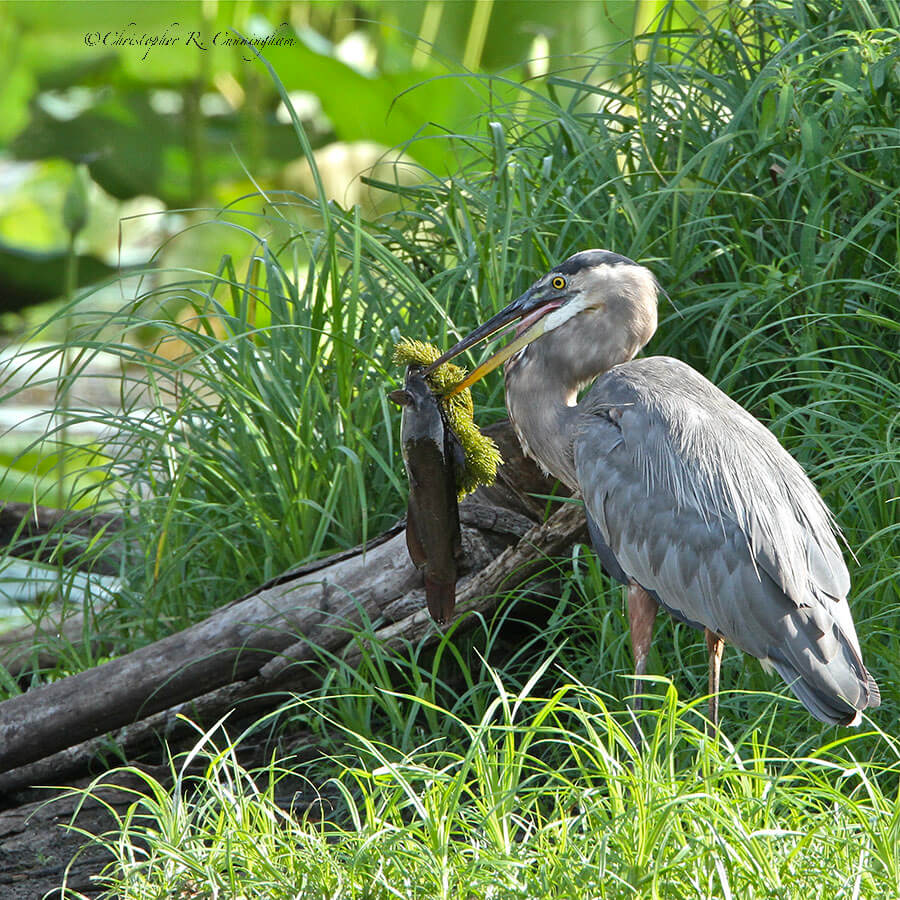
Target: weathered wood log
<point>300,666</point>
<point>231,645</point>
<point>252,641</point>
<point>37,855</point>
<point>26,527</point>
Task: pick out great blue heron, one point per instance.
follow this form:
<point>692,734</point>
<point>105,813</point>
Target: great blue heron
<point>691,502</point>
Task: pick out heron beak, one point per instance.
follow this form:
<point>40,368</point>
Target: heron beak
<point>531,312</point>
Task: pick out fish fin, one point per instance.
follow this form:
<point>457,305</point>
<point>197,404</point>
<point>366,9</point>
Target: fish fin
<point>401,397</point>
<point>441,600</point>
<point>413,541</point>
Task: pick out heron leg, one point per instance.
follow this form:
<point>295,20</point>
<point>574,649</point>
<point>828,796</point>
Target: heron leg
<point>714,645</point>
<point>641,616</point>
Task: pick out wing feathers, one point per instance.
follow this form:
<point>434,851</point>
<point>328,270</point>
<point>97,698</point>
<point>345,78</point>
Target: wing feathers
<point>699,503</point>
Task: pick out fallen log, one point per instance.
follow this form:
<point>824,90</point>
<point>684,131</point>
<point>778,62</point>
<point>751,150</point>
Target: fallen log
<point>55,537</point>
<point>231,645</point>
<point>26,529</point>
<point>301,666</point>
<point>252,642</point>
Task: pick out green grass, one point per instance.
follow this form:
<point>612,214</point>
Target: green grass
<point>542,796</point>
<point>751,164</point>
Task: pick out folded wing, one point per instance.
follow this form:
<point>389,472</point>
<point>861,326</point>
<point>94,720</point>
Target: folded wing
<point>700,504</point>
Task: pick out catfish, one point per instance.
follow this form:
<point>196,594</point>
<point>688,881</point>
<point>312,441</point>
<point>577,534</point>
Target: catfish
<point>432,455</point>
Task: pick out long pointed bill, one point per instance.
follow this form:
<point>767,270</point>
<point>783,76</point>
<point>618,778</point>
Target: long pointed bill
<point>532,326</point>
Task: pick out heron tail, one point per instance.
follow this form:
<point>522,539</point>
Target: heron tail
<point>825,698</point>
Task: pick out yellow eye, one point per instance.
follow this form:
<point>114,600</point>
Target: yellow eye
<point>558,282</point>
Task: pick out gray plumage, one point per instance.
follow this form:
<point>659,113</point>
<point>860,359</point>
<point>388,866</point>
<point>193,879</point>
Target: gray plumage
<point>701,505</point>
<point>688,496</point>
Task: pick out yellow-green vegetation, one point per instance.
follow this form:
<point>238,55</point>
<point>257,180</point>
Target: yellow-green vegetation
<point>538,797</point>
<point>481,454</point>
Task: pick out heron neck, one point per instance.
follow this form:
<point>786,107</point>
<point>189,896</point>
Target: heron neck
<point>543,380</point>
<point>543,412</point>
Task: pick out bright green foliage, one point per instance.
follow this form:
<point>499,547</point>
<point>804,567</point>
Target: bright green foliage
<point>541,796</point>
<point>481,454</point>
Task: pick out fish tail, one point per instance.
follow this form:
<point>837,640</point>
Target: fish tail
<point>441,600</point>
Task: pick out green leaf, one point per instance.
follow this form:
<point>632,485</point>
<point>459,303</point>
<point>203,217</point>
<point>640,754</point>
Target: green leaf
<point>785,104</point>
<point>388,109</point>
<point>18,88</point>
<point>28,276</point>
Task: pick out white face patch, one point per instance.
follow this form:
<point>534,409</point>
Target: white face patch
<point>565,312</point>
<point>584,286</point>
<point>590,286</point>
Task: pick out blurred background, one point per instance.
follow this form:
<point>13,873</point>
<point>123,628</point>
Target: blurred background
<point>125,127</point>
<point>166,132</point>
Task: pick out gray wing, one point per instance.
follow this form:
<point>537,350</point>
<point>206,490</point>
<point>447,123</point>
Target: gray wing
<point>612,568</point>
<point>604,551</point>
<point>699,503</point>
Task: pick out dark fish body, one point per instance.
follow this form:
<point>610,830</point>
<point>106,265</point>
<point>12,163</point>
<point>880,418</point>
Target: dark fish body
<point>430,454</point>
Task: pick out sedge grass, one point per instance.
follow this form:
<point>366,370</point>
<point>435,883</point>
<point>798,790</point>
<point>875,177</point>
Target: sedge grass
<point>547,796</point>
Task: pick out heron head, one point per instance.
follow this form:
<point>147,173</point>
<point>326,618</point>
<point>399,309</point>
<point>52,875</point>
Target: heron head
<point>590,312</point>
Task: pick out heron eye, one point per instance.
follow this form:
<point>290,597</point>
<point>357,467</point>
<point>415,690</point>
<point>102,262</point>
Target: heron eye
<point>558,282</point>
